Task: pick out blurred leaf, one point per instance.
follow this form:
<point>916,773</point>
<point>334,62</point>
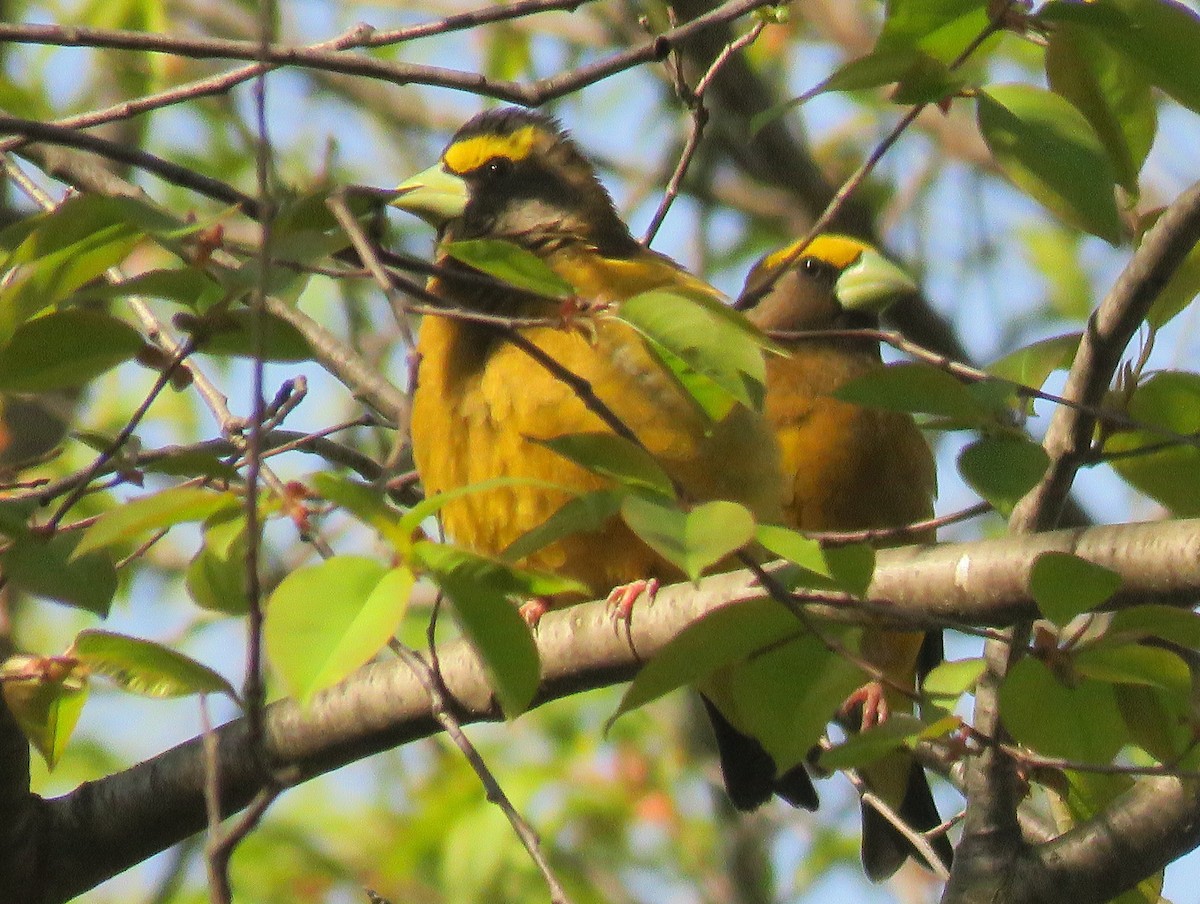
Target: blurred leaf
<point>614,457</point>
<point>582,514</point>
<point>46,703</point>
<point>914,388</point>
<point>1179,291</point>
<point>65,349</point>
<point>1064,585</point>
<point>1048,149</point>
<point>1182,626</point>
<point>158,510</point>
<point>325,621</point>
<point>719,638</point>
<point>941,28</point>
<point>1077,723</point>
<point>900,730</point>
<point>1113,96</point>
<point>51,568</point>
<point>59,252</point>
<point>216,576</point>
<point>482,590</point>
<point>852,567</point>
<point>1003,468</point>
<point>1134,663</point>
<point>365,502</point>
<point>431,505</point>
<point>190,286</point>
<point>511,264</point>
<point>1160,37</point>
<point>1032,365</point>
<point>786,716</point>
<point>951,679</point>
<point>1159,722</point>
<point>795,547</point>
<point>144,667</point>
<point>711,338</point>
<point>1056,252</point>
<point>1170,475</point>
<point>232,333</point>
<point>693,540</point>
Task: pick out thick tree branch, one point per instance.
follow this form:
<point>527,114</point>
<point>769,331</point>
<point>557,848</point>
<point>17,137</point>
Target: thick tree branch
<point>105,827</point>
<point>992,849</point>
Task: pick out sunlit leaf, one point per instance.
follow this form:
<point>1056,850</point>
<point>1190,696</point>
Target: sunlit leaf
<point>615,457</point>
<point>1050,150</point>
<point>511,264</point>
<point>1065,585</point>
<point>46,701</point>
<point>1081,722</point>
<point>156,511</point>
<point>145,667</point>
<point>1003,468</point>
<point>325,621</point>
<point>692,540</point>
<point>65,349</point>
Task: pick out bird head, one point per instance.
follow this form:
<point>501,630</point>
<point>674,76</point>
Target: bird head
<point>834,283</point>
<point>515,174</point>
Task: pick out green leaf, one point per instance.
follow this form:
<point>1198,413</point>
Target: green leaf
<point>46,702</point>
<point>1110,92</point>
<point>852,567</point>
<point>914,388</point>
<point>191,286</point>
<point>794,547</point>
<point>1170,475</point>
<point>159,510</point>
<point>1181,626</point>
<point>481,590</point>
<point>1077,723</point>
<point>1179,291</point>
<point>614,457</point>
<point>58,252</point>
<point>51,568</point>
<point>786,717</point>
<point>144,667</point>
<point>1160,37</point>
<point>694,540</point>
<point>325,621</point>
<point>949,680</point>
<point>365,502</point>
<point>232,333</point>
<point>1032,365</point>
<point>1065,585</point>
<point>1003,468</point>
<point>900,730</point>
<point>583,514</point>
<point>1134,663</point>
<point>712,339</point>
<point>216,576</point>
<point>941,28</point>
<point>511,264</point>
<point>1049,150</point>
<point>1159,722</point>
<point>65,349</point>
<point>722,637</point>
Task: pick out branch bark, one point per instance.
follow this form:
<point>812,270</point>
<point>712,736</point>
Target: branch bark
<point>74,842</point>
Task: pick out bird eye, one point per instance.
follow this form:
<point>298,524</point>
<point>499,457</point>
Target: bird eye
<point>497,167</point>
<point>816,268</point>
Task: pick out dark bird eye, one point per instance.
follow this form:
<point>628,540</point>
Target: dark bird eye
<point>817,268</point>
<point>497,167</point>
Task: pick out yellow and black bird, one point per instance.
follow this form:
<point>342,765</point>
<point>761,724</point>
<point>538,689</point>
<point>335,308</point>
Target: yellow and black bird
<point>848,468</point>
<point>481,404</point>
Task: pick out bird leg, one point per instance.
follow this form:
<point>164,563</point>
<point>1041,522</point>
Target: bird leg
<point>875,709</point>
<point>622,597</point>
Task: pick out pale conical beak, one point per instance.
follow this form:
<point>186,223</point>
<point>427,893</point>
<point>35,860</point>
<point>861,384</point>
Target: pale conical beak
<point>434,195</point>
<point>872,283</point>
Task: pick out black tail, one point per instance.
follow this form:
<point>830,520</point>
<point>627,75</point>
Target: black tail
<point>885,847</point>
<point>749,772</point>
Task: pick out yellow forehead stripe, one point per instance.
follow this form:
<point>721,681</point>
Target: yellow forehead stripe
<point>472,153</point>
<point>837,250</point>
